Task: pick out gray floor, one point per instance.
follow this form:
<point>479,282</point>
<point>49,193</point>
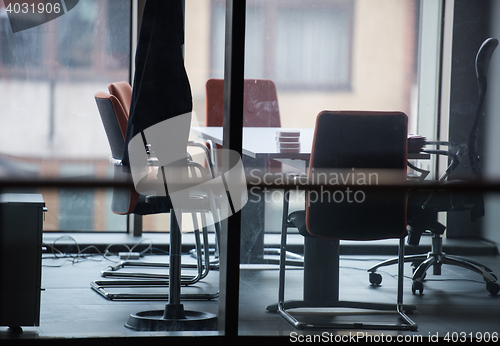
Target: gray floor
<point>455,302</point>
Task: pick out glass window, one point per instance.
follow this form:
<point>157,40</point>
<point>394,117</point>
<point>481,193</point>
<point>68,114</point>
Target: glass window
<point>312,47</point>
<point>297,45</point>
<point>48,77</point>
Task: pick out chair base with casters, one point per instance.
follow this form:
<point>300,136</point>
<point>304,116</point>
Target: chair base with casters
<point>173,317</point>
<point>435,259</point>
<point>332,300</point>
<point>425,222</point>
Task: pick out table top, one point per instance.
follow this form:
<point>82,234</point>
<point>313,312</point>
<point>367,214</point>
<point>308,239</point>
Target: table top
<point>261,142</point>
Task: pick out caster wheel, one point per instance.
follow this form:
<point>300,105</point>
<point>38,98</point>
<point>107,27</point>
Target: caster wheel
<point>417,286</point>
<point>375,279</point>
<point>493,288</point>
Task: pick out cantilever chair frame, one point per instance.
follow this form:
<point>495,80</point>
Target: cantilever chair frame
<point>203,267</point>
<point>203,262</point>
<point>283,306</point>
<point>199,252</point>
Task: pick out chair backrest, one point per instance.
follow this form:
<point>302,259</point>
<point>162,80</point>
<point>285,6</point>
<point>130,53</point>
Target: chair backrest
<point>114,118</point>
<point>123,92</point>
<point>482,63</point>
<point>358,148</point>
<point>260,103</point>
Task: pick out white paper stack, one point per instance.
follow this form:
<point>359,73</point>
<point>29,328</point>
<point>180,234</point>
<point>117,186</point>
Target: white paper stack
<point>288,141</point>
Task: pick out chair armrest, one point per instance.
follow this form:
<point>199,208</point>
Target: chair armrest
<point>297,176</point>
<point>206,151</point>
<point>203,170</point>
<point>445,143</point>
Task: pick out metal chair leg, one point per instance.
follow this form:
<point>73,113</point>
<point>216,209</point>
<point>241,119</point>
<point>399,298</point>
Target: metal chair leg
<point>283,306</point>
<point>157,280</point>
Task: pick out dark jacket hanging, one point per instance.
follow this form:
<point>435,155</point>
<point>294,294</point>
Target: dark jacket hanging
<point>161,87</point>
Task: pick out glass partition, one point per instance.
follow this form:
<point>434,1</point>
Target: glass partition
<point>320,56</point>
<point>302,57</point>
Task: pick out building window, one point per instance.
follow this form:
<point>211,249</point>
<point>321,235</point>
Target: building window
<point>91,40</point>
<point>48,77</point>
<point>76,206</point>
<point>297,44</point>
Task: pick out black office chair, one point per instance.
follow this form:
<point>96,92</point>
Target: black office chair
<point>126,201</point>
<point>424,206</point>
<point>346,145</point>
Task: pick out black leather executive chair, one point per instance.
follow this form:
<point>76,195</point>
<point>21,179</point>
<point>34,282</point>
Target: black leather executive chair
<point>348,144</point>
<point>424,206</point>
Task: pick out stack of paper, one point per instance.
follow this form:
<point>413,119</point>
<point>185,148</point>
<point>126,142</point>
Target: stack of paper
<point>416,143</point>
<point>288,141</point>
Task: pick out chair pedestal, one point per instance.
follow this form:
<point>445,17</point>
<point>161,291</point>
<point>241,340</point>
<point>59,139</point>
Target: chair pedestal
<point>173,317</point>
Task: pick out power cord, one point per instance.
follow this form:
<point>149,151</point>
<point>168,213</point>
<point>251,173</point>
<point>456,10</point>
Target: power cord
<point>82,255</point>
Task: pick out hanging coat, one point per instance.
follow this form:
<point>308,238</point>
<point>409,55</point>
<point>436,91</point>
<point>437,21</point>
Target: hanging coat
<point>161,87</point>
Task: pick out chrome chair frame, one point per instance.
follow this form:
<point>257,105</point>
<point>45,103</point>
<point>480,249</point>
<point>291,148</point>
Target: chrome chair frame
<point>283,306</point>
<point>203,264</point>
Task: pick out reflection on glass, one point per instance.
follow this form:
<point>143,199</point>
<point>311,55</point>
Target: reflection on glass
<point>321,55</point>
<point>48,77</point>
<point>312,47</point>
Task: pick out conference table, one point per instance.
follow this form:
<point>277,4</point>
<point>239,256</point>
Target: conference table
<point>320,255</point>
<point>259,152</point>
<point>259,143</point>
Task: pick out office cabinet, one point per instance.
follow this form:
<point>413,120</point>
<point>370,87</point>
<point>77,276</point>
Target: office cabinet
<point>21,224</point>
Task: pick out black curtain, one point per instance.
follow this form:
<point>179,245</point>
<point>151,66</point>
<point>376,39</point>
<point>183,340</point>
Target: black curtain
<point>161,87</point>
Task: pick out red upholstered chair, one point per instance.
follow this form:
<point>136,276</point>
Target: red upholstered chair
<point>348,144</point>
<point>260,106</point>
<point>125,201</point>
<point>114,117</point>
<point>123,92</point>
<point>260,103</point>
